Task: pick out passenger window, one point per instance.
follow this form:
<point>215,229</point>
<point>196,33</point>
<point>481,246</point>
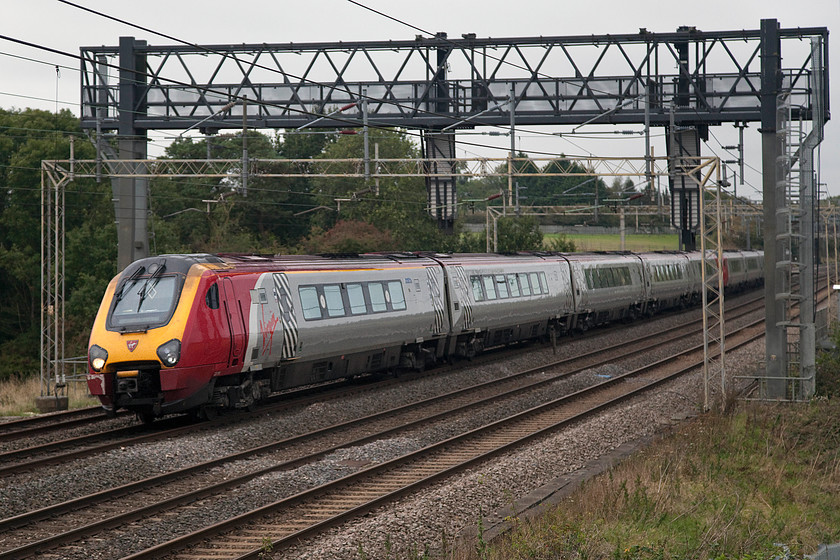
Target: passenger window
<point>309,302</point>
<point>501,286</point>
<point>543,283</point>
<point>377,297</point>
<point>397,296</point>
<point>535,283</point>
<point>478,295</point>
<point>514,285</point>
<point>523,283</point>
<point>333,302</point>
<point>356,298</point>
<point>212,297</point>
<point>489,287</point>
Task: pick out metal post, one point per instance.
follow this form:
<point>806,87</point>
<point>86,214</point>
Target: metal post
<point>836,260</point>
<point>516,186</point>
<point>101,109</point>
<point>130,194</point>
<point>495,234</point>
<point>365,132</point>
<point>60,206</point>
<point>244,145</point>
<point>828,282</point>
<point>741,154</point>
<point>512,102</point>
<point>647,139</point>
<point>45,279</point>
<point>808,197</point>
<point>487,227</point>
<point>672,164</point>
<point>376,158</point>
<point>621,227</point>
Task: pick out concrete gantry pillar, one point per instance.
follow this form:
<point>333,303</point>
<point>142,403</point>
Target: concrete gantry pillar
<point>772,148</point>
<point>130,193</point>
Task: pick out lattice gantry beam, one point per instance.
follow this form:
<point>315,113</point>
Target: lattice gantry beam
<point>355,167</point>
<point>433,83</point>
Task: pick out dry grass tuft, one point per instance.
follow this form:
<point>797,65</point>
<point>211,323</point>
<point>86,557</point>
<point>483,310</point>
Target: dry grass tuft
<point>17,396</point>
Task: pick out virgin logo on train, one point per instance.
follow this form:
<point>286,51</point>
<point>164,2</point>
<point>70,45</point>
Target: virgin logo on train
<point>132,344</point>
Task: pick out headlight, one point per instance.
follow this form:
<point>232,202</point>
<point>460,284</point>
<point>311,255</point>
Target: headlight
<point>97,356</point>
<point>170,352</point>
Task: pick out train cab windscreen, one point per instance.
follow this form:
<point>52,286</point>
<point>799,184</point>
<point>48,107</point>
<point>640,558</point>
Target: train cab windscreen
<point>144,303</point>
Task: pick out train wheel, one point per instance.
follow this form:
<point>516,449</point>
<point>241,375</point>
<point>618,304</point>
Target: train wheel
<point>146,416</point>
<point>206,412</point>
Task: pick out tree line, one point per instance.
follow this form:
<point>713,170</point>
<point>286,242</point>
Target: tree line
<point>274,216</point>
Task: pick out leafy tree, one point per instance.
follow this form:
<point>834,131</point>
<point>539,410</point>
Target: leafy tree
<point>26,138</point>
<point>520,233</point>
<point>349,236</point>
<point>398,208</point>
<point>219,214</point>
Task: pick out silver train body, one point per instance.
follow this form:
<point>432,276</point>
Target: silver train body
<point>372,313</point>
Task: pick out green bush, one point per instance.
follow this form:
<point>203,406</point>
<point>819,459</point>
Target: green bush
<point>828,369</point>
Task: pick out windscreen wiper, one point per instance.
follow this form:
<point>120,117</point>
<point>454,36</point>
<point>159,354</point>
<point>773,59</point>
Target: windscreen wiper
<point>133,279</point>
<point>154,278</point>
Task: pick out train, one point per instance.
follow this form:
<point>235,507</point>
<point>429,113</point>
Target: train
<point>198,333</point>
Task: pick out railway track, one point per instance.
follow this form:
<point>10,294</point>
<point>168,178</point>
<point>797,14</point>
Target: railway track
<point>61,421</point>
<point>307,513</point>
<point>104,510</point>
<point>26,459</point>
<point>46,423</point>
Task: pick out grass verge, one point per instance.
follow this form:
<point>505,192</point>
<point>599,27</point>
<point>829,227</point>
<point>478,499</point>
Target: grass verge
<point>609,242</point>
<point>17,396</point>
<point>730,486</point>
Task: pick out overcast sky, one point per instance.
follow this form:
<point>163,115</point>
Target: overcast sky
<point>28,83</point>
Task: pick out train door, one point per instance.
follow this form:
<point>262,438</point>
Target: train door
<point>283,294</point>
<point>235,323</point>
<point>460,309</point>
<point>440,324</point>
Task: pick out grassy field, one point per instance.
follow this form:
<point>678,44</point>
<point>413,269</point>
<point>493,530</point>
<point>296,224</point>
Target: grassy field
<point>609,242</point>
<point>17,396</point>
<point>724,486</point>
